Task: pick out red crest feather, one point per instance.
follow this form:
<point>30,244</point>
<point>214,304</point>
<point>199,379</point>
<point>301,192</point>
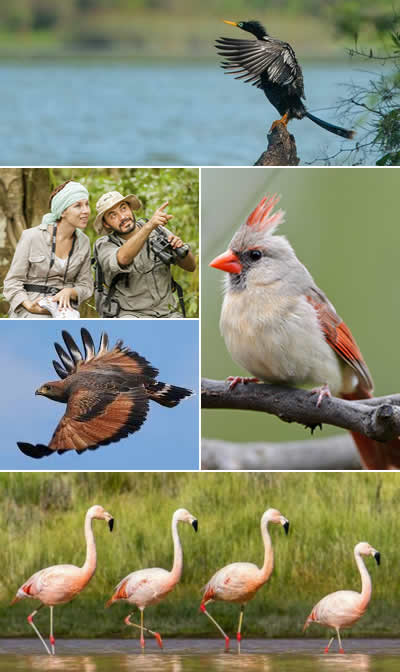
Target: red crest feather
<point>261,219</point>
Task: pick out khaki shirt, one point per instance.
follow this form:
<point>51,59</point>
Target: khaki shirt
<point>31,263</point>
<point>146,292</point>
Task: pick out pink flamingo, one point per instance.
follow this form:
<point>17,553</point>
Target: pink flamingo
<point>149,586</point>
<point>345,607</point>
<point>239,581</point>
<point>61,583</point>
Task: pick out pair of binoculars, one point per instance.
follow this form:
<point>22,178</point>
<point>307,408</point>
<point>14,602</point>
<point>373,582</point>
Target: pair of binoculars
<point>163,249</point>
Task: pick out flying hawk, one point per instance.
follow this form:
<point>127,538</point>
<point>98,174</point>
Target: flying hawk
<point>107,395</point>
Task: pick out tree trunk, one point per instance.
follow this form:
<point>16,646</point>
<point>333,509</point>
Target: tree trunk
<point>24,195</point>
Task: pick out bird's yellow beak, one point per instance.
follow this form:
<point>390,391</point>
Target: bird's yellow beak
<point>231,23</point>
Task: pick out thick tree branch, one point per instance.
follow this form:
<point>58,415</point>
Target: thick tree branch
<point>281,149</point>
<point>379,421</point>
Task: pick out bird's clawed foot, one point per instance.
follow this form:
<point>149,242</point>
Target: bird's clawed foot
<point>322,392</point>
<point>341,650</point>
<point>158,639</point>
<point>284,120</point>
<point>326,650</point>
<point>227,643</point>
<point>53,645</point>
<point>142,643</point>
<point>234,380</point>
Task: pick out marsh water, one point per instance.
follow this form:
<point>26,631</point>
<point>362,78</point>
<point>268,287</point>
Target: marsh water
<point>156,114</point>
<point>283,655</point>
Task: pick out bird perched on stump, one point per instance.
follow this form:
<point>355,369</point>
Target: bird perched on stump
<point>107,395</point>
<point>271,65</point>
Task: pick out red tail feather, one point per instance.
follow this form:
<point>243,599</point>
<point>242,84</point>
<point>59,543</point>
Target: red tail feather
<point>374,454</point>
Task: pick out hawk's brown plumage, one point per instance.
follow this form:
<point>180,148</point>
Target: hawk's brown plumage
<point>107,395</point>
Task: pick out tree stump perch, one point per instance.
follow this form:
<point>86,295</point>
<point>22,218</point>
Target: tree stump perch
<point>281,149</point>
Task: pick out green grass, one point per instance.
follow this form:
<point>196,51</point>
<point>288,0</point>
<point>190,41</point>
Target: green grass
<point>329,513</point>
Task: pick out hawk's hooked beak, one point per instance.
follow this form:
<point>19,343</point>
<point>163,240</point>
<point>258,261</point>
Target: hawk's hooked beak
<point>228,261</point>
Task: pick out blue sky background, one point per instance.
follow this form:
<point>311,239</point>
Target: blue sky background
<point>167,440</point>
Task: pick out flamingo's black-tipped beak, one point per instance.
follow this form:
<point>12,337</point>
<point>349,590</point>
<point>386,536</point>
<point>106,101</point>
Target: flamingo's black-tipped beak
<point>111,524</point>
<point>195,525</point>
<point>377,557</point>
<point>286,527</point>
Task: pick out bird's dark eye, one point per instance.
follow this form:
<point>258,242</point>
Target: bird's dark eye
<point>255,255</point>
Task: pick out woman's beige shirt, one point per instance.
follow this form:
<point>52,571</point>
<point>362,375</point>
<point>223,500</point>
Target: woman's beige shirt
<point>31,264</point>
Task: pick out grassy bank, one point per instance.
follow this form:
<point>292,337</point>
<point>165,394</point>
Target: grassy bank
<point>329,513</point>
<point>157,35</point>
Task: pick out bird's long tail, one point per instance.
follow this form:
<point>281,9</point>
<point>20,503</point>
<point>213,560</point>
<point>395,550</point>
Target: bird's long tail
<point>167,395</point>
<point>337,130</point>
<point>375,454</point>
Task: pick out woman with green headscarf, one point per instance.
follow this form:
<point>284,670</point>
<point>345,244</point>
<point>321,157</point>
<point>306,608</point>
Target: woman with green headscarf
<point>51,263</point>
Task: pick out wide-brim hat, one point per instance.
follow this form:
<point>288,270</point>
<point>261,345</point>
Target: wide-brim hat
<point>108,201</point>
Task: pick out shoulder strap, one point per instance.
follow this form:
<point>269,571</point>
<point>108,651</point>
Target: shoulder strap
<point>179,291</point>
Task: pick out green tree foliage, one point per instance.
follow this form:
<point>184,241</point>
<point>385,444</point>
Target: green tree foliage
<point>374,109</point>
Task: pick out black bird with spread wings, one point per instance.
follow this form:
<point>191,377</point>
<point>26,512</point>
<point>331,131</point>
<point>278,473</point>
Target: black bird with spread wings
<point>271,65</point>
<point>107,395</point>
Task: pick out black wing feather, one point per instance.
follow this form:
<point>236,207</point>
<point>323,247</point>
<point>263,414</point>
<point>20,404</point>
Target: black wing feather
<point>260,59</point>
<point>65,358</point>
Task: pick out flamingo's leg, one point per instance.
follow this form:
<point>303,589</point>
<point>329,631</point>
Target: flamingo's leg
<point>341,650</point>
<point>330,642</point>
<point>155,634</point>
<point>141,630</point>
<point>30,621</point>
<point>239,632</point>
<point>52,640</point>
<point>225,636</point>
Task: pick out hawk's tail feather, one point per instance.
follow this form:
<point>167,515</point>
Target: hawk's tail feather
<point>167,395</point>
<point>37,451</point>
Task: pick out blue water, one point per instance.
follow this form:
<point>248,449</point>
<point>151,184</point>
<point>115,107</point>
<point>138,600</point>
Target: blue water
<point>163,114</point>
<point>198,655</point>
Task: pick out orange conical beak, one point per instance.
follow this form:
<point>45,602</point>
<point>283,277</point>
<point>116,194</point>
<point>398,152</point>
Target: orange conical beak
<point>228,261</point>
<point>231,23</point>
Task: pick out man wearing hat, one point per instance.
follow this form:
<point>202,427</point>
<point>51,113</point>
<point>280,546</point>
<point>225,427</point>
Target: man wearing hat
<point>138,282</point>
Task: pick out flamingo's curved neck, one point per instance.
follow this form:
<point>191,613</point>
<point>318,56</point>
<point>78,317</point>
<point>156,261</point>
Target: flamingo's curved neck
<point>268,565</point>
<point>366,583</point>
<point>89,567</point>
<point>176,571</point>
